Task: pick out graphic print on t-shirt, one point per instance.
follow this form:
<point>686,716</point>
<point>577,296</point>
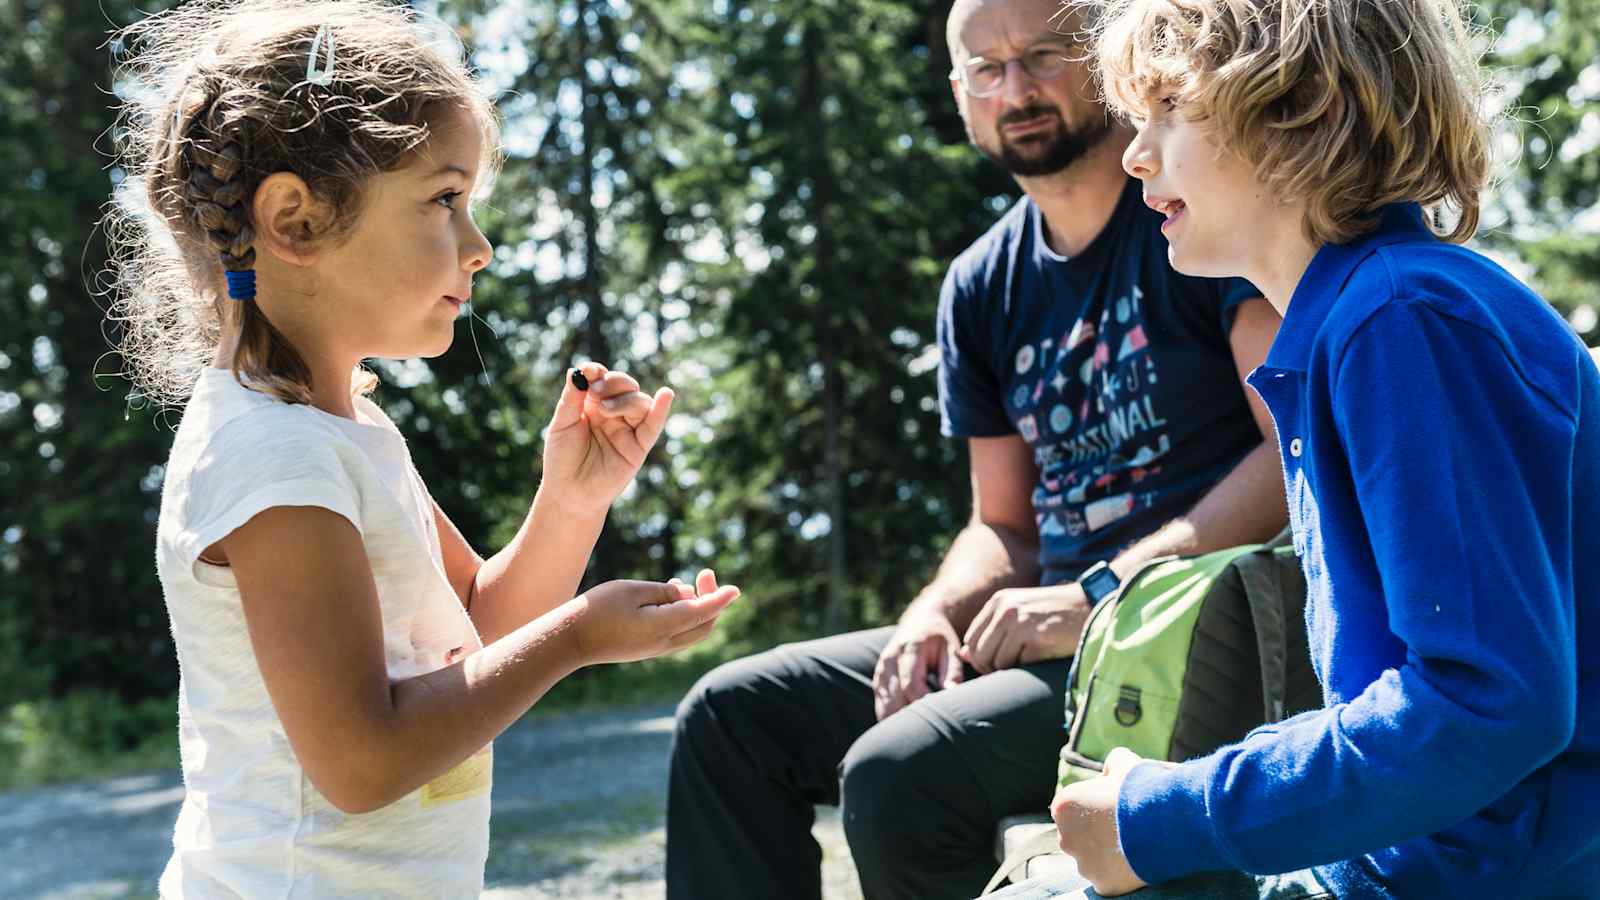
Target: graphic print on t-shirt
<point>1083,401</point>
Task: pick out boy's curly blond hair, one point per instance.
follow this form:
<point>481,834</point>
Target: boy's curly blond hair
<point>1345,105</point>
<point>216,99</point>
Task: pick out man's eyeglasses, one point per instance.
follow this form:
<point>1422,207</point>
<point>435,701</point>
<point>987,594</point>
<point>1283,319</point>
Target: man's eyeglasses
<point>983,77</point>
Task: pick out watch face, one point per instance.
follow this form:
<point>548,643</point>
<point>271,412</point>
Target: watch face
<point>1100,583</point>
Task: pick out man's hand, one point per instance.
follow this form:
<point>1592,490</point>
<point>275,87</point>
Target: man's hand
<point>924,644</point>
<point>1023,625</point>
<point>1086,821</point>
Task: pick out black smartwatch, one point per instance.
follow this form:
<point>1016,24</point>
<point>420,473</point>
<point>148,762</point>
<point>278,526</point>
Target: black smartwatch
<point>1099,582</point>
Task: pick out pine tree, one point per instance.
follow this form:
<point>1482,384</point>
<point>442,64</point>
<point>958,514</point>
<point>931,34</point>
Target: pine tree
<point>836,206</point>
<point>80,471</point>
<point>1547,212</point>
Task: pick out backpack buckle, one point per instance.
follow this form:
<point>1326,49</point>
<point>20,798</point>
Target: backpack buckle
<point>1128,710</point>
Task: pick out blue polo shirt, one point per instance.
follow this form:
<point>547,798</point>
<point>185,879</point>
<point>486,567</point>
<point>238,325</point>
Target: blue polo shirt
<point>1440,433</point>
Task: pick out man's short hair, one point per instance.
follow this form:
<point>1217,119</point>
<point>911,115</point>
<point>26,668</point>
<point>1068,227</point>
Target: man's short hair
<point>1346,105</point>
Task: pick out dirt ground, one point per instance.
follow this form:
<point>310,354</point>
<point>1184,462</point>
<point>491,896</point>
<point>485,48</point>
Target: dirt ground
<point>579,807</point>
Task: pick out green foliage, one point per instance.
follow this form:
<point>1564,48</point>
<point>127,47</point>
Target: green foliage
<point>81,605</point>
<point>1547,212</point>
<point>86,733</point>
<point>751,200</point>
<point>825,204</point>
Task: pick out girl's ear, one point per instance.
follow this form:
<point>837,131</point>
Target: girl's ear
<point>288,219</point>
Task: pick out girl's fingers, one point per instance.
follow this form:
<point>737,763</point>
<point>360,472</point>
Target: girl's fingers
<point>613,384</point>
<point>693,636</point>
<point>691,611</point>
<point>593,373</point>
<point>631,408</point>
<point>569,408</point>
<point>684,590</point>
<point>655,419</point>
<point>705,582</point>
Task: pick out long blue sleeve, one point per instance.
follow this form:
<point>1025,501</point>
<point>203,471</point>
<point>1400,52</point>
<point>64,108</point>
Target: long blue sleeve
<point>1430,472</point>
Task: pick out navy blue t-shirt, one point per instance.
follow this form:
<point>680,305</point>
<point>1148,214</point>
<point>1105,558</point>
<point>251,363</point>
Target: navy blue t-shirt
<point>1114,368</point>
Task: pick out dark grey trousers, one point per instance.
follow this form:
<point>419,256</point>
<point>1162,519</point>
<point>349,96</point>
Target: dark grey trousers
<point>761,740</point>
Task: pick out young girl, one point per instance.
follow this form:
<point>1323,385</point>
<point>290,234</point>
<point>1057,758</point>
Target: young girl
<point>346,657</point>
<point>1440,434</point>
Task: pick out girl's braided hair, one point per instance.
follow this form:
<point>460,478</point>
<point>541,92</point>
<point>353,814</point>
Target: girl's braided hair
<point>216,99</point>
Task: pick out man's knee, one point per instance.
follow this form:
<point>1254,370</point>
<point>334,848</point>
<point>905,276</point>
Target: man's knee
<point>721,696</point>
<point>891,787</point>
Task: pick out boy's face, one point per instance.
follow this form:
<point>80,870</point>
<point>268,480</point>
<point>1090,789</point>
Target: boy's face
<point>1031,126</point>
<point>1219,215</point>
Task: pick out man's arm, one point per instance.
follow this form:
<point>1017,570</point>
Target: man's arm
<point>998,548</point>
<point>1248,505</point>
<point>1023,625</point>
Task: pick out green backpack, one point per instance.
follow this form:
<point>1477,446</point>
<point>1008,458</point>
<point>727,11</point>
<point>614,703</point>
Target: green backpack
<point>1191,654</point>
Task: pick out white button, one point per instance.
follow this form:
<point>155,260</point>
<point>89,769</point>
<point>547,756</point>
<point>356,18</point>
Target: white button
<point>1294,448</point>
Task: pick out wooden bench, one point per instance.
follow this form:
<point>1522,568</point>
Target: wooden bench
<point>1015,831</point>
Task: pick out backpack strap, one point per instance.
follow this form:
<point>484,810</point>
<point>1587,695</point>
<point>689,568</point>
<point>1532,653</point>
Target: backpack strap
<point>1044,843</point>
<point>1284,538</point>
<point>1275,590</point>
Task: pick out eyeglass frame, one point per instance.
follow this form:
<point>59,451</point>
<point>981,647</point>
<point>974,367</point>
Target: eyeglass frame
<point>959,73</point>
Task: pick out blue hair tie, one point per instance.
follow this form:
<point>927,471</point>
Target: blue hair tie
<point>241,285</point>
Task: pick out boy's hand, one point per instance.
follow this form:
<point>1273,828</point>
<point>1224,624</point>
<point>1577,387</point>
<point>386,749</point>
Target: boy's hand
<point>1086,821</point>
<point>626,621</point>
<point>598,438</point>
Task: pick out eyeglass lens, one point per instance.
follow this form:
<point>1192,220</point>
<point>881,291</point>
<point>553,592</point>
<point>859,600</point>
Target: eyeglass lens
<point>983,77</point>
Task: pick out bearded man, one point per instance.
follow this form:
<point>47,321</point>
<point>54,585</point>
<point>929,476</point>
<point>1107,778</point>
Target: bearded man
<point>1101,397</point>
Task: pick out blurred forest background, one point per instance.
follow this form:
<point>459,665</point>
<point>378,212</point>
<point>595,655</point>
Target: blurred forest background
<point>750,200</point>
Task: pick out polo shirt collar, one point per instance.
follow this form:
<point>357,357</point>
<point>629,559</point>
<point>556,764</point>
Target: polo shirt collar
<point>1323,281</point>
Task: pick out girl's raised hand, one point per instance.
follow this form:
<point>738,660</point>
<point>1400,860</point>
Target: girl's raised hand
<point>599,437</point>
<point>625,621</point>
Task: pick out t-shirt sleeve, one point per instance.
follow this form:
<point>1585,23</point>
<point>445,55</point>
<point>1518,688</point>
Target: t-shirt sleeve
<point>1230,292</point>
<point>970,404</point>
<point>248,467</point>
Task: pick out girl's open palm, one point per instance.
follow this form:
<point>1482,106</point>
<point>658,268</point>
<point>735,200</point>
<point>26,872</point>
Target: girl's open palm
<point>599,437</point>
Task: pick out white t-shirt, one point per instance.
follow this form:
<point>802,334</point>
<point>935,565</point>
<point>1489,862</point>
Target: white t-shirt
<point>252,824</point>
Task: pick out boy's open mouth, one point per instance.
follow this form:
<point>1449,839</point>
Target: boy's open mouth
<point>1172,209</point>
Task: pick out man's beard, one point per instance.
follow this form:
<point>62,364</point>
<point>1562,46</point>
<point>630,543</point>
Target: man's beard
<point>1056,151</point>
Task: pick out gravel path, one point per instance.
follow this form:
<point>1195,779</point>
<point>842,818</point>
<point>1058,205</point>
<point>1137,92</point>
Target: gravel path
<point>579,806</point>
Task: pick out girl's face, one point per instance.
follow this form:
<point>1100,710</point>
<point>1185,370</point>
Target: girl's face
<point>1219,216</point>
<point>395,285</point>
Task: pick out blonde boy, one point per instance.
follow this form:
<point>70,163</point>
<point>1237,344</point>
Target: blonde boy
<point>1439,428</point>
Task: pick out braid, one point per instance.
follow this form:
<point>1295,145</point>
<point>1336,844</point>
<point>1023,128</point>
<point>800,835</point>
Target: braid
<point>220,101</point>
<point>216,191</point>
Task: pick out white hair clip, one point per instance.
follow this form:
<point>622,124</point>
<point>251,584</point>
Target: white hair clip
<point>326,75</point>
